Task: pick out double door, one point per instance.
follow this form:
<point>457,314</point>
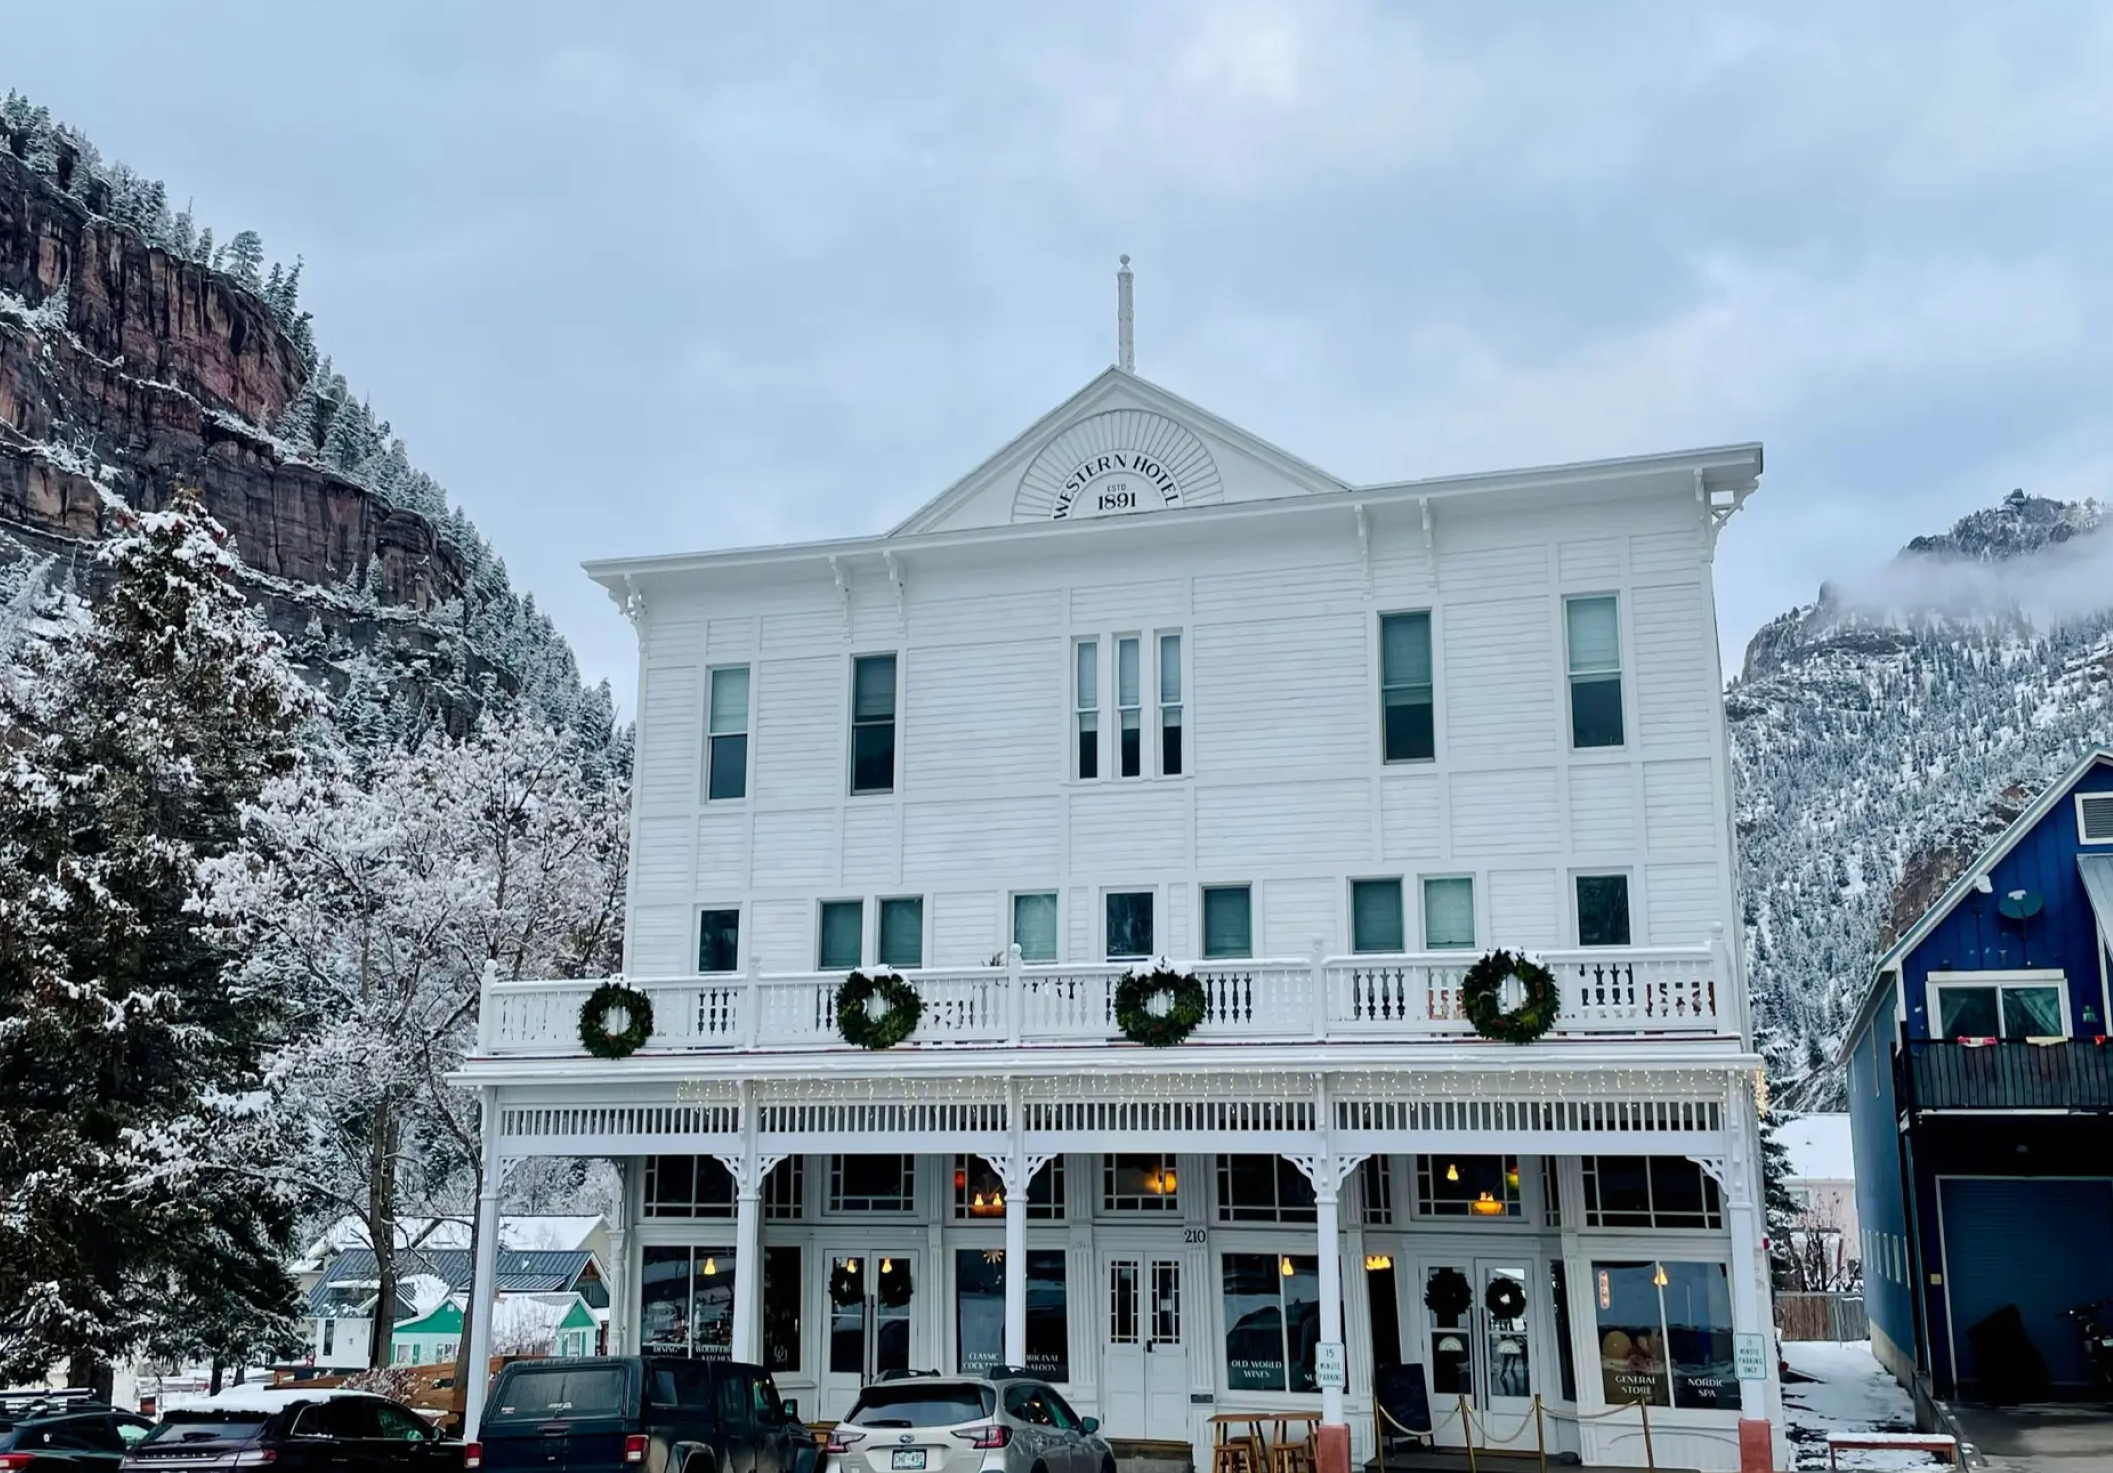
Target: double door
<point>1144,1353</point>
<point>873,1304</point>
<point>1479,1315</point>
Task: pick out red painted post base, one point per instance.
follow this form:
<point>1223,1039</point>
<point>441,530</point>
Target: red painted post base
<point>1756,1446</point>
<point>1331,1448</point>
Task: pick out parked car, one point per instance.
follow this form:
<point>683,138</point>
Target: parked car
<point>964,1424</point>
<point>300,1430</point>
<point>69,1435</point>
<point>639,1414</point>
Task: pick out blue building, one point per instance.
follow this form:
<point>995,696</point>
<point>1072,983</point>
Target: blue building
<point>1981,1096</point>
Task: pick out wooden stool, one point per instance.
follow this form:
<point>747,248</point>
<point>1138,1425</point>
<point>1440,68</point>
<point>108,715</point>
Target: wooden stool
<point>1286,1456</point>
<point>1235,1454</point>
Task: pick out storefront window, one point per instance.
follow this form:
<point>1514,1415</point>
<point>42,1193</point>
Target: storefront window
<point>1272,1321</point>
<point>979,1312</point>
<point>1467,1186</point>
<point>782,1292</point>
<point>1263,1189</point>
<point>688,1186</point>
<point>979,1194</point>
<point>1665,1334</point>
<point>872,1183</point>
<point>686,1302</point>
<point>1139,1184</point>
<point>1649,1191</point>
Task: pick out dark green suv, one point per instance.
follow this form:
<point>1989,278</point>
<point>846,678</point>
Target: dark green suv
<point>638,1414</point>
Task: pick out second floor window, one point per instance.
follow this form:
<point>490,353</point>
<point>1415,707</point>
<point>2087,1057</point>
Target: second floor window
<point>1406,708</point>
<point>1129,924</point>
<point>1375,916</point>
<point>727,758</point>
<point>902,933</point>
<point>873,724</point>
<point>1603,910</point>
<point>1228,922</point>
<point>1448,914</point>
<point>1087,703</point>
<point>1129,709</point>
<point>1595,672</point>
<point>841,945</point>
<point>719,941</point>
<point>1034,926</point>
<point>1170,705</point>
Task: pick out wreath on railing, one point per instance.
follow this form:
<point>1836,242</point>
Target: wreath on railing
<point>898,1018</point>
<point>604,1042</point>
<point>1447,1295</point>
<point>1134,994</point>
<point>1481,988</point>
<point>1505,1299</point>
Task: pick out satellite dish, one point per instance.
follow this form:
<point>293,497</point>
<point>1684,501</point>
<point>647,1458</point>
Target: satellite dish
<point>2019,905</point>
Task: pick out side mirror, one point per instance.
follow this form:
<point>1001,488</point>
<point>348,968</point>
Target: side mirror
<point>789,1410</point>
<point>1091,1424</point>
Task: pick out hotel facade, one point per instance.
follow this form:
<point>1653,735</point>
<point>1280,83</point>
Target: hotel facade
<point>1142,686</point>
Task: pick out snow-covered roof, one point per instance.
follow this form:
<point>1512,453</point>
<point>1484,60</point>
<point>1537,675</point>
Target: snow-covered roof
<point>424,1292</point>
<point>529,1319</point>
<point>269,1400</point>
<point>553,1231</point>
<point>1819,1147</point>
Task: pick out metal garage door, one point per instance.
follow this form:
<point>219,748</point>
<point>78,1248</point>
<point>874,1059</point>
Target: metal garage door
<point>2044,1245</point>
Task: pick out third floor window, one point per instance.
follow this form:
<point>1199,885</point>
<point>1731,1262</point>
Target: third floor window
<point>1594,639</point>
<point>873,724</point>
<point>1406,708</point>
<point>728,723</point>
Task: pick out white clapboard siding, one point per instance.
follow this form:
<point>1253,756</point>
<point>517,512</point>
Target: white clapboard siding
<point>1674,699</point>
<point>1678,811</point>
<point>659,941</point>
<point>1592,561</point>
<point>803,632</point>
<point>1500,691</point>
<point>1683,901</point>
<point>1120,829</point>
<point>1524,565</point>
<point>1013,841</point>
<point>1082,918</point>
<point>1503,813</point>
<point>730,640</point>
<point>983,715</point>
<point>796,848</point>
<point>1655,554</point>
<point>781,935</point>
<point>1410,827</point>
<point>673,641</point>
<point>1283,698</point>
<point>1178,911</point>
<point>801,744</point>
<point>1280,592</point>
<point>722,852</point>
<point>660,856</point>
<point>965,928</point>
<point>1272,827</point>
<point>1296,913</point>
<point>668,738</point>
<point>1127,606</point>
<point>872,846</point>
<point>988,618</point>
<point>1523,908</point>
<point>1602,808</point>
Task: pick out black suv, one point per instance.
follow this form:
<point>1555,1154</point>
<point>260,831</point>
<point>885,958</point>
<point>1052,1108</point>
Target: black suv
<point>65,1435</point>
<point>639,1414</point>
<point>296,1430</point>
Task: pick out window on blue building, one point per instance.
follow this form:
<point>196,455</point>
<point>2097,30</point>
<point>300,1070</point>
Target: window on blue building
<point>1999,1010</point>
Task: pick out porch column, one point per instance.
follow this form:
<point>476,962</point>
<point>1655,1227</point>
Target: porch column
<point>483,1270</point>
<point>748,1171</point>
<point>1016,1182</point>
<point>1331,1256</point>
<point>1740,1178</point>
<point>1326,1170</point>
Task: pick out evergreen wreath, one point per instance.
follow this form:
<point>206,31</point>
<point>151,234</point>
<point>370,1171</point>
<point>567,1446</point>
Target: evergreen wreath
<point>1505,1299</point>
<point>1186,999</point>
<point>843,1285</point>
<point>896,1023</point>
<point>1479,991</point>
<point>604,1042</point>
<point>1447,1295</point>
<point>895,1287</point>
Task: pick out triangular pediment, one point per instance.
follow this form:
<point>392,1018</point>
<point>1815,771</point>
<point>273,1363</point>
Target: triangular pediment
<point>1118,447</point>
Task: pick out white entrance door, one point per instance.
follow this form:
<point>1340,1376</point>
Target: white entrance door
<point>1144,1357</point>
<point>1478,1315</point>
<point>870,1298</point>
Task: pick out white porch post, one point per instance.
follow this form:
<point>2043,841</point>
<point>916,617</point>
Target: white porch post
<point>748,1264</point>
<point>1331,1243</point>
<point>1326,1170</point>
<point>484,1271</point>
<point>1739,1175</point>
<point>1016,1182</point>
<point>616,1273</point>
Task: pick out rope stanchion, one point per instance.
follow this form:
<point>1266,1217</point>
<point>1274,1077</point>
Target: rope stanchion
<point>1649,1459</point>
<point>1540,1433</point>
<point>1467,1434</point>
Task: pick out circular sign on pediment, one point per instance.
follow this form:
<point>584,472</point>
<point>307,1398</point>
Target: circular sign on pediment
<point>1114,463</point>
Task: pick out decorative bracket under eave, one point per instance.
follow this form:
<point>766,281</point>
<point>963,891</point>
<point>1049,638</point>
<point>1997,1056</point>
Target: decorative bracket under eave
<point>1364,543</point>
<point>843,590</point>
<point>902,609</point>
<point>634,603</point>
<point>1430,539</point>
<point>1719,505</point>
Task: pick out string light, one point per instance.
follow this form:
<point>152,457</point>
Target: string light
<point>711,1266</point>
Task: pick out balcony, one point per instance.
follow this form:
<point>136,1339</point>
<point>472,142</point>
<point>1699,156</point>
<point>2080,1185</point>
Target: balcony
<point>2072,1074</point>
<point>1605,994</point>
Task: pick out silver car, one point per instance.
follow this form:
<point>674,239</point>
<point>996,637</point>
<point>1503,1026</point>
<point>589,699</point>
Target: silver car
<point>965,1424</point>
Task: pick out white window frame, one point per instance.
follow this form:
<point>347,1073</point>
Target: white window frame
<point>1116,708</point>
<point>1100,921</point>
<point>833,1196</point>
<point>746,733</point>
<point>1165,1207</point>
<point>1620,672</point>
<point>1934,984</point>
<point>924,931</point>
<point>851,787</point>
<point>1076,703</point>
<point>1207,886</point>
<point>697,914</point>
<point>1179,705</point>
<point>1602,872</point>
<point>1008,925</point>
<point>2083,798</point>
<point>868,926</point>
<point>1379,684</point>
<point>1423,918</point>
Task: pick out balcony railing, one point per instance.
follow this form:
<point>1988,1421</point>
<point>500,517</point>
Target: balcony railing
<point>2070,1074</point>
<point>1671,990</point>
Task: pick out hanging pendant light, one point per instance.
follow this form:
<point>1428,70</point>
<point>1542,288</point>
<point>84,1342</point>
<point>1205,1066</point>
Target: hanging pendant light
<point>887,1265</point>
<point>1452,1171</point>
<point>1658,1276</point>
<point>711,1266</point>
<point>1284,1267</point>
<point>1375,1262</point>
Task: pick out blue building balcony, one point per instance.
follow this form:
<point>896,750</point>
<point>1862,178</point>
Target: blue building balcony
<point>2067,1075</point>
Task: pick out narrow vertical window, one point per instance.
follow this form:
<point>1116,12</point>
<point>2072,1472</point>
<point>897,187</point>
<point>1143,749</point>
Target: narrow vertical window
<point>1087,702</point>
<point>1129,924</point>
<point>1375,916</point>
<point>873,724</point>
<point>1034,926</point>
<point>728,758</point>
<point>1170,705</point>
<point>1228,922</point>
<point>841,946</point>
<point>1603,910</point>
<point>1405,687</point>
<point>1595,672</point>
<point>719,941</point>
<point>1129,697</point>
<point>1448,914</point>
<point>902,933</point>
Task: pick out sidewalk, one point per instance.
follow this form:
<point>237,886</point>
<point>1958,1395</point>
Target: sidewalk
<point>1849,1392</point>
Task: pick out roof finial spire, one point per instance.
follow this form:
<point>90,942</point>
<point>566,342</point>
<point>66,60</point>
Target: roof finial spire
<point>1125,346</point>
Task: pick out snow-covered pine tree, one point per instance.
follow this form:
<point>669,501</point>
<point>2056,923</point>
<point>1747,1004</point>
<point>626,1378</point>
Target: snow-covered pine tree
<point>245,259</point>
<point>129,1063</point>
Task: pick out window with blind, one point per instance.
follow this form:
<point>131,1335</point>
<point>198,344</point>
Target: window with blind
<point>873,724</point>
<point>1406,709</point>
<point>1375,916</point>
<point>1034,926</point>
<point>902,933</point>
<point>1170,753</point>
<point>1448,913</point>
<point>1594,634</point>
<point>1086,707</point>
<point>1228,926</point>
<point>1129,709</point>
<point>726,758</point>
<point>840,946</point>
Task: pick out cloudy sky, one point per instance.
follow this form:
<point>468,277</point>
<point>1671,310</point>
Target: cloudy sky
<point>687,275</point>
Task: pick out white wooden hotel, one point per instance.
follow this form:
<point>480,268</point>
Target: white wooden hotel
<point>1141,685</point>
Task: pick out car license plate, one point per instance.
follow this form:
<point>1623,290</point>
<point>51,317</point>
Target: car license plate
<point>907,1458</point>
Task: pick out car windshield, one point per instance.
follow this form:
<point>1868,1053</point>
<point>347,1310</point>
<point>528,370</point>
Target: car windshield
<point>922,1405</point>
<point>559,1391</point>
<point>202,1424</point>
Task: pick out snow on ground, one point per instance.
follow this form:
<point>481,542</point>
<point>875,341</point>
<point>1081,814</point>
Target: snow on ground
<point>1849,1392</point>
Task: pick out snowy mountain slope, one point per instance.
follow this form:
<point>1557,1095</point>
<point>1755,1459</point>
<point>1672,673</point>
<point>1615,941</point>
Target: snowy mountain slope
<point>1881,734</point>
